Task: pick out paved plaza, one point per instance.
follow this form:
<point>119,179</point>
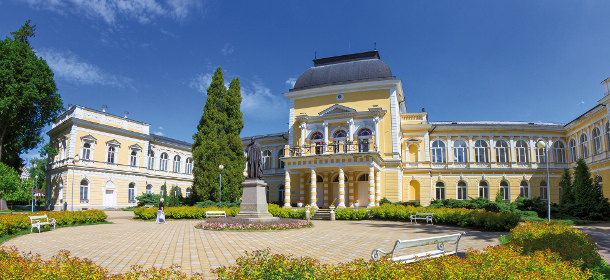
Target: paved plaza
<point>129,242</point>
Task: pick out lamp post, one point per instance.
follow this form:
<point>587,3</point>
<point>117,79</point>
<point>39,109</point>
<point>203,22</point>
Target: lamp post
<point>541,143</point>
<point>221,167</point>
<point>34,186</point>
<point>74,162</point>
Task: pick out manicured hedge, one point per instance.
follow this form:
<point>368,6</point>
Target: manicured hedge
<point>501,262</point>
<point>570,243</point>
<point>478,218</point>
<point>278,211</point>
<point>181,212</point>
<point>16,265</point>
<point>10,224</point>
<point>351,214</point>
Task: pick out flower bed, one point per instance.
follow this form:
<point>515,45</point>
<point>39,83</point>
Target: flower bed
<point>230,223</point>
<point>10,224</point>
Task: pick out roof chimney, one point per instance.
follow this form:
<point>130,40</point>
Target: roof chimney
<point>606,84</point>
<point>126,113</point>
<point>104,108</point>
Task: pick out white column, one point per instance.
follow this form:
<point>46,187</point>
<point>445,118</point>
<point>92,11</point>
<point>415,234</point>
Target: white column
<point>287,189</point>
<point>371,186</point>
<point>350,124</point>
<point>326,137</point>
<point>303,127</point>
<point>350,189</point>
<point>377,187</point>
<point>341,189</point>
<point>302,187</point>
<point>326,179</point>
<point>377,120</point>
<point>312,193</point>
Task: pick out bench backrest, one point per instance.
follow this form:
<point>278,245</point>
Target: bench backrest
<point>215,212</point>
<point>424,214</point>
<point>401,244</point>
<point>43,217</point>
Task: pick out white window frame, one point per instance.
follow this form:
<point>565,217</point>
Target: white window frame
<point>584,145</point>
<point>176,164</point>
<point>189,166</point>
<point>543,190</point>
<point>164,161</point>
<point>559,152</point>
<point>267,159</point>
<point>133,158</point>
<point>573,152</point>
<point>597,141</point>
<point>84,191</point>
<point>149,189</point>
<point>111,153</point>
<point>505,190</point>
<point>522,151</point>
<point>462,190</point>
<point>87,152</point>
<point>484,189</point>
<point>151,159</point>
<point>524,189</point>
<point>460,153</point>
<point>281,193</point>
<point>131,193</point>
<point>481,151</point>
<point>280,155</point>
<point>541,155</point>
<point>608,136</point>
<point>189,192</point>
<point>439,190</point>
<point>437,151</point>
<point>502,151</point>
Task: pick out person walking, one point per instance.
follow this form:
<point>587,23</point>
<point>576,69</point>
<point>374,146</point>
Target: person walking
<point>160,212</point>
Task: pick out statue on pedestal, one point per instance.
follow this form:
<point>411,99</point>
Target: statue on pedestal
<point>255,160</point>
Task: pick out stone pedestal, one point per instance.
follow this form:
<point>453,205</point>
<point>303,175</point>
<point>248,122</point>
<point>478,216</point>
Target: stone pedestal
<point>3,205</point>
<point>254,202</point>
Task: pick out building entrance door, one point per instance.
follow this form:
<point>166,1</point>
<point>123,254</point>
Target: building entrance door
<point>109,198</point>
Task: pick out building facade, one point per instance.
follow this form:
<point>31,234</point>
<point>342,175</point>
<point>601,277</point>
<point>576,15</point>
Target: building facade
<point>350,142</point>
<point>106,161</point>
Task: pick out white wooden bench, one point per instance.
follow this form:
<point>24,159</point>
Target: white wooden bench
<point>215,214</point>
<point>422,216</point>
<point>38,221</point>
<point>439,252</point>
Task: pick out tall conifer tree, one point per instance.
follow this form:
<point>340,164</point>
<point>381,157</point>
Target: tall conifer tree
<point>217,142</point>
<point>565,183</point>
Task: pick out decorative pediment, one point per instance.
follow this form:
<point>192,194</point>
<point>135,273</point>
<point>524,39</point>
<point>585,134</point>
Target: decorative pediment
<point>113,143</point>
<point>337,109</point>
<point>413,140</point>
<point>135,147</point>
<point>88,138</point>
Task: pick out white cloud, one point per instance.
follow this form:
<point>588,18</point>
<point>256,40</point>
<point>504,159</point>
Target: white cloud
<point>144,11</point>
<point>159,133</point>
<point>291,81</point>
<point>201,82</point>
<point>68,66</point>
<point>160,128</point>
<point>227,49</point>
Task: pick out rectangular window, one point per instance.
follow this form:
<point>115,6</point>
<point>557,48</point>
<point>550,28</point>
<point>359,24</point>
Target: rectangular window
<point>484,192</point>
<point>84,193</point>
<point>151,162</point>
<point>522,154</point>
<point>504,193</point>
<point>461,193</point>
<point>177,166</point>
<point>501,154</point>
<point>440,193</point>
<point>540,155</point>
<point>131,194</point>
<point>133,160</point>
<point>459,154</point>
<point>543,193</point>
<point>189,168</point>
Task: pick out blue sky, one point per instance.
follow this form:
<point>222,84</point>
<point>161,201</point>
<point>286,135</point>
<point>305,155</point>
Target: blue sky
<point>461,60</point>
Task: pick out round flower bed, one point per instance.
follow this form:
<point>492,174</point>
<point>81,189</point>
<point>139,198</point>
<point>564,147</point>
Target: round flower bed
<point>232,223</point>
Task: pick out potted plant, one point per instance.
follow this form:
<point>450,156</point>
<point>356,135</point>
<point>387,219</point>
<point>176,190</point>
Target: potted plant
<point>299,203</point>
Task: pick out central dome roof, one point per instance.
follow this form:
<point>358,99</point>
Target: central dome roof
<point>345,68</point>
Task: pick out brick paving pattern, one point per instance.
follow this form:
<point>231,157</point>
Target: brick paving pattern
<point>129,242</point>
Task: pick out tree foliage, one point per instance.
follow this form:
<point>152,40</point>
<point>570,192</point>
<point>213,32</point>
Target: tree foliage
<point>588,201</point>
<point>565,183</point>
<point>9,181</point>
<point>28,96</point>
<point>217,142</point>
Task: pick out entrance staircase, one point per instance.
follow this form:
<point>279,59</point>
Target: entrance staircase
<point>321,214</point>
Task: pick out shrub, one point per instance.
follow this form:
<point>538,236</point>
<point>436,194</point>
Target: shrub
<point>350,214</point>
<point>571,244</point>
<point>10,224</point>
<point>148,199</point>
<point>477,218</point>
<point>278,211</point>
<point>209,203</point>
<point>501,262</point>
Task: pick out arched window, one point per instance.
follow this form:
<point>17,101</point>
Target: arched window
<point>189,191</point>
<point>573,154</point>
<point>336,178</point>
<point>280,155</point>
<point>111,154</point>
<point>340,134</point>
<point>364,132</point>
<point>133,158</point>
<point>524,189</point>
<point>501,151</point>
<point>438,151</point>
<point>319,179</point>
<point>177,164</point>
<point>149,188</point>
<point>505,191</point>
<point>266,159</point>
<point>86,151</point>
<point>164,160</point>
<point>522,153</point>
<point>439,190</point>
<point>462,190</point>
<point>364,177</point>
<point>280,193</point>
<point>543,190</point>
<point>584,145</point>
<point>481,151</point>
<point>151,159</point>
<point>460,151</point>
<point>84,191</point>
<point>540,153</point>
<point>483,189</point>
<point>131,193</point>
<point>597,141</point>
<point>317,137</point>
<point>608,136</point>
<point>189,166</point>
<point>559,152</point>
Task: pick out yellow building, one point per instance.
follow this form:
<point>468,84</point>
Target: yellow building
<point>350,142</point>
<point>105,161</point>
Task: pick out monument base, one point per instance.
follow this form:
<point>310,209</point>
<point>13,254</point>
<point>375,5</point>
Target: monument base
<point>254,206</point>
